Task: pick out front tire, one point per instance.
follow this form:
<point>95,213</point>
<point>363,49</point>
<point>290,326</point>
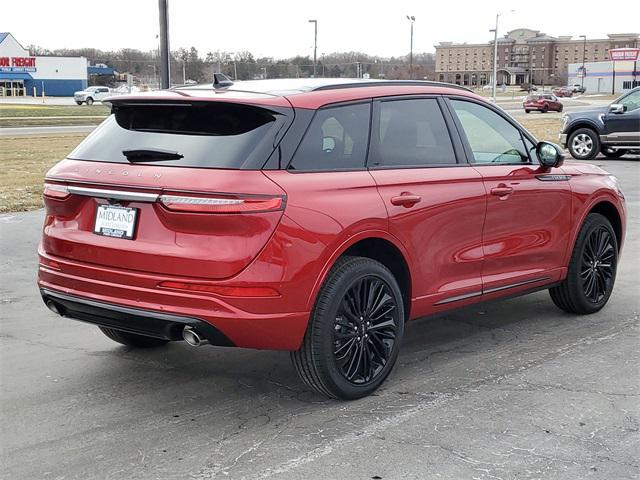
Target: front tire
<point>584,144</point>
<point>355,330</point>
<point>131,339</point>
<point>592,268</point>
<point>89,101</point>
<point>78,103</point>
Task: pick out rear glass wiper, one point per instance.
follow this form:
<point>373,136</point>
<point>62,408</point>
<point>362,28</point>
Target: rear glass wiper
<point>146,155</point>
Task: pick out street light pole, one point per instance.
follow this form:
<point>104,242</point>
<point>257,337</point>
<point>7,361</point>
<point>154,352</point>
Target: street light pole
<point>495,59</point>
<point>165,65</point>
<point>584,53</point>
<point>315,44</point>
<point>411,19</point>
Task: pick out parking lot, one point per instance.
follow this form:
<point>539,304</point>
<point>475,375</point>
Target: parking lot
<point>508,390</point>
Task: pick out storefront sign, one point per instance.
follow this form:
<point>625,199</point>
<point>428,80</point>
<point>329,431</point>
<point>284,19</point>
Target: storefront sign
<point>620,54</point>
<point>18,64</point>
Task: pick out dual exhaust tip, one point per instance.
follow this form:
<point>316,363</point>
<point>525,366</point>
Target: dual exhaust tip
<point>192,337</point>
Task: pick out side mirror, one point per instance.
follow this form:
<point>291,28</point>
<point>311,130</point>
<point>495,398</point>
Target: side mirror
<point>549,154</point>
<point>616,108</point>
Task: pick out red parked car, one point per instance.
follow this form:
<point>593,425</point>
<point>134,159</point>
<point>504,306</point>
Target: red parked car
<point>317,216</point>
<point>563,92</point>
<point>542,102</point>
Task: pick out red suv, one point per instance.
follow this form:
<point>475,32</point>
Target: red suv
<point>317,216</point>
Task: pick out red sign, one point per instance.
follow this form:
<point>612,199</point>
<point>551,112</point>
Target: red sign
<point>619,54</point>
<point>17,64</point>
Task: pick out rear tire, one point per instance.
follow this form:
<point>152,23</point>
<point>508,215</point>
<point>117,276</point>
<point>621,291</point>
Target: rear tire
<point>527,111</point>
<point>592,269</point>
<point>89,101</point>
<point>584,144</point>
<point>561,108</point>
<point>609,153</point>
<point>132,339</point>
<point>355,330</point>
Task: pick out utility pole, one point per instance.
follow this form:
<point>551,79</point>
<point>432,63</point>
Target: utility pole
<point>184,72</point>
<point>315,44</point>
<point>165,64</point>
<point>584,53</point>
<point>411,19</point>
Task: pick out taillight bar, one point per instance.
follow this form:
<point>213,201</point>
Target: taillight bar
<point>240,204</point>
<point>56,191</point>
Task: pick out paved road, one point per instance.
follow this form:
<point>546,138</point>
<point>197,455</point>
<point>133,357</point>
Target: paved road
<point>48,130</point>
<point>512,390</point>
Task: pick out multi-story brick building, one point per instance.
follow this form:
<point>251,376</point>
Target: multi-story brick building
<point>524,56</point>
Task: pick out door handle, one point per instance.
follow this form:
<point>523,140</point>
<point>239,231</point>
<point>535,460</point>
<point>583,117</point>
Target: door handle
<point>406,199</point>
<point>501,191</point>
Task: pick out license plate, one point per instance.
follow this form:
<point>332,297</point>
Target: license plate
<point>115,221</point>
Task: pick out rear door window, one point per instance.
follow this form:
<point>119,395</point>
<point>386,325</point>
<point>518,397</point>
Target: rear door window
<point>336,139</point>
<point>411,133</point>
<point>205,135</point>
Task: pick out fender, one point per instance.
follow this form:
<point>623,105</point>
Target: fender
<point>582,123</point>
<point>344,246</point>
<point>598,197</point>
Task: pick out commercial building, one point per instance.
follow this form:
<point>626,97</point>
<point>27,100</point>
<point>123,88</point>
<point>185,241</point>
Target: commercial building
<point>22,74</point>
<point>524,56</point>
<point>606,77</point>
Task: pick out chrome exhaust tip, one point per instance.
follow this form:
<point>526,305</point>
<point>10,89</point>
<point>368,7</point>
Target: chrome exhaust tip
<point>53,307</point>
<point>192,337</point>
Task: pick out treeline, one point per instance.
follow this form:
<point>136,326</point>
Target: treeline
<point>244,66</point>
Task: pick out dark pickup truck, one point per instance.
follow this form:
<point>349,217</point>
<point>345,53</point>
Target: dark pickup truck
<point>613,130</point>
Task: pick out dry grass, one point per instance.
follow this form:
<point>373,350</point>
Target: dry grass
<point>23,164</point>
<point>12,110</point>
<point>543,128</point>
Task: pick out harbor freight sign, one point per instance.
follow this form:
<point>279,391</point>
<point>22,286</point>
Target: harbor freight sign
<point>620,54</point>
<point>18,64</point>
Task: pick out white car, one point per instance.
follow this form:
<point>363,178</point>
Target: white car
<point>91,94</point>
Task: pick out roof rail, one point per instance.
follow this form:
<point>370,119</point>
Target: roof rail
<point>380,83</point>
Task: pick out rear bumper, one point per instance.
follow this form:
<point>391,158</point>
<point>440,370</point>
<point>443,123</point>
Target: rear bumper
<point>133,320</point>
<point>131,301</point>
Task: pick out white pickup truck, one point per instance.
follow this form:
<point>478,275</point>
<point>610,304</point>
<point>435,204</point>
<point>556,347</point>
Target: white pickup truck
<point>91,94</point>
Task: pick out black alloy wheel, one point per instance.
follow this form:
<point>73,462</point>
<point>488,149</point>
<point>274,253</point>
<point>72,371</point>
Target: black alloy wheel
<point>365,330</point>
<point>598,260</point>
<point>592,269</point>
<point>354,332</point>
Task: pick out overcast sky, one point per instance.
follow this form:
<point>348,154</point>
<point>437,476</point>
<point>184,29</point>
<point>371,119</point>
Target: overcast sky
<point>279,28</point>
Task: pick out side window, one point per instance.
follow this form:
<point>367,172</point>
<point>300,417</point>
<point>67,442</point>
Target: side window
<point>336,139</point>
<point>411,133</point>
<point>631,101</point>
<point>492,138</point>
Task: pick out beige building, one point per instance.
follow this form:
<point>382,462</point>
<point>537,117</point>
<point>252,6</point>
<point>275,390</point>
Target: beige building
<point>524,56</point>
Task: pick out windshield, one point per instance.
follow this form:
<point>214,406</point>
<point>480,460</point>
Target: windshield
<point>207,135</point>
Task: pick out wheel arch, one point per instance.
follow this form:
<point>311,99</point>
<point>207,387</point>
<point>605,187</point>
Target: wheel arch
<point>610,212</point>
<point>583,124</point>
<point>379,246</point>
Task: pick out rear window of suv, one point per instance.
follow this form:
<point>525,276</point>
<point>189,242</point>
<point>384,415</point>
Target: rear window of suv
<point>205,135</point>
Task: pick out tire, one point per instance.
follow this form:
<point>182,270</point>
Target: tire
<point>584,144</point>
<point>561,108</point>
<point>89,101</point>
<point>78,103</point>
<point>527,111</point>
<point>132,339</point>
<point>609,153</point>
<point>336,337</point>
<point>574,294</point>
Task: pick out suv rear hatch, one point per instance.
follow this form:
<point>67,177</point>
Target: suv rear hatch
<point>169,187</point>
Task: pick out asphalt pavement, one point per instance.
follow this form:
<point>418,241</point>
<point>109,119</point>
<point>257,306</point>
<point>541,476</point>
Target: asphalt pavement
<point>510,390</point>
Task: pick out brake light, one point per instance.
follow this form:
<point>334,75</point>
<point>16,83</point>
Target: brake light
<point>248,204</point>
<point>226,291</point>
<point>56,191</point>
